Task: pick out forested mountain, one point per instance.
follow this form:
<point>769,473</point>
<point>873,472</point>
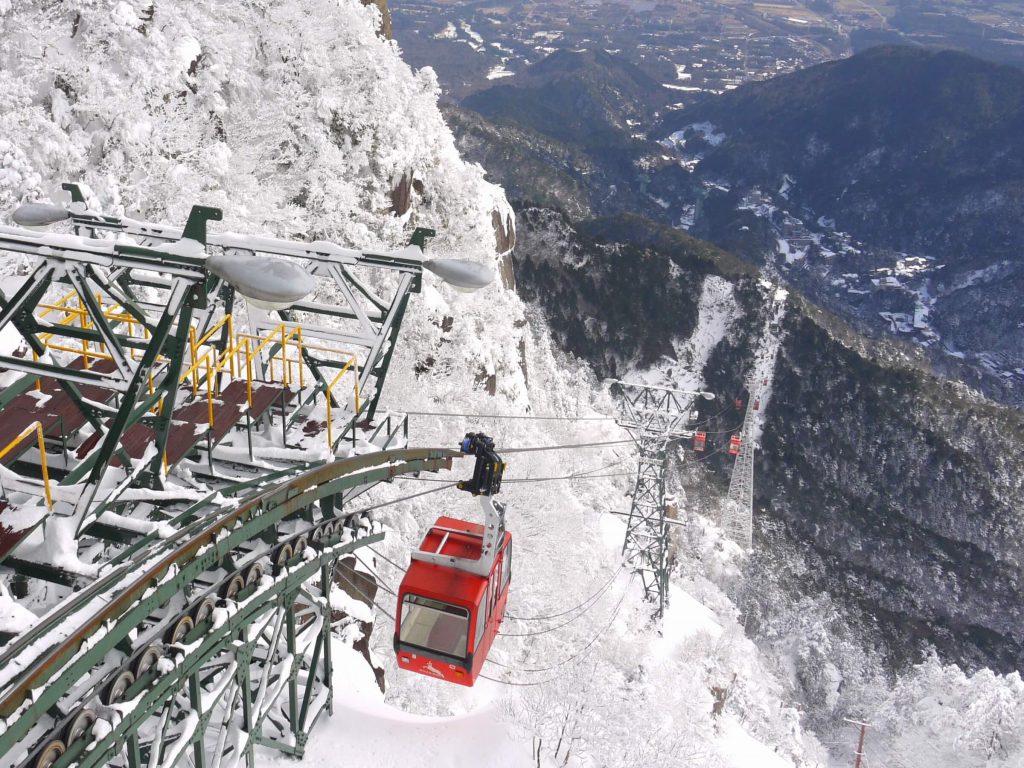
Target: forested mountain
<point>570,133</point>
<point>914,154</point>
<point>909,148</point>
<point>887,500</point>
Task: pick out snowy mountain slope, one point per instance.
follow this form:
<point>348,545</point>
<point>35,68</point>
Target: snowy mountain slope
<point>883,496</point>
<point>299,121</point>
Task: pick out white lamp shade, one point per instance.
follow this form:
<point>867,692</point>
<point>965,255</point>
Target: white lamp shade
<point>266,282</point>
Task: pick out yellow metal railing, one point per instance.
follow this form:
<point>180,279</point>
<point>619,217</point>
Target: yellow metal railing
<point>351,364</point>
<point>206,361</point>
<point>36,427</point>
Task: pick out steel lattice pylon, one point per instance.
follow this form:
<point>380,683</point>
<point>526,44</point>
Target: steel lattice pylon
<point>737,520</point>
<point>738,515</point>
<point>655,417</point>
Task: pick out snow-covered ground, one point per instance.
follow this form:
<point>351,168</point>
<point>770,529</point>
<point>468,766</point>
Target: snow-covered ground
<point>366,731</point>
<point>717,311</point>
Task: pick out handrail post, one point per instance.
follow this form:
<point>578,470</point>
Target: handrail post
<point>232,342</point>
<point>355,370</point>
<point>248,372</point>
<point>46,471</point>
<point>330,436</point>
<point>284,357</point>
<point>192,360</point>
<point>302,378</point>
<point>82,324</point>
<point>36,427</point>
<point>209,391</point>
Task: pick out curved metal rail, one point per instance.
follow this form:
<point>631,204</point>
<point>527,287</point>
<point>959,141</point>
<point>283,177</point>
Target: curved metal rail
<point>192,597</point>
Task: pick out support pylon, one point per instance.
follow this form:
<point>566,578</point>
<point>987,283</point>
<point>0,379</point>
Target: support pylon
<point>738,516</point>
<point>656,417</point>
<point>738,521</point>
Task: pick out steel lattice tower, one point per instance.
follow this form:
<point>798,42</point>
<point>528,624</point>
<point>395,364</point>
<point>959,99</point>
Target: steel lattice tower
<point>738,520</point>
<point>655,417</point>
<point>738,516</point>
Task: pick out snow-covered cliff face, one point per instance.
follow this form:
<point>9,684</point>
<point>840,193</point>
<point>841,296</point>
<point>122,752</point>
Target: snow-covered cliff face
<point>295,118</point>
<point>300,121</point>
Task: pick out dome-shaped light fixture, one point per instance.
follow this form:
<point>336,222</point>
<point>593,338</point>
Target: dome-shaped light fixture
<point>39,214</point>
<point>264,282</point>
<point>464,276</point>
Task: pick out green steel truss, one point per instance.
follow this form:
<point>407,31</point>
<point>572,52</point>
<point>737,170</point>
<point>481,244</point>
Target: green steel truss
<point>161,284</point>
<point>233,660</point>
<point>257,671</point>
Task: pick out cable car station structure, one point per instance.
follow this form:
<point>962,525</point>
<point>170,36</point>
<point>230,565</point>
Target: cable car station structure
<point>181,458</point>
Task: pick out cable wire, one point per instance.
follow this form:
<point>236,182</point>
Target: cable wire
<point>363,595</point>
<point>563,447</point>
<point>582,650</point>
<point>387,559</point>
<point>376,577</point>
<point>509,416</point>
<point>516,683</point>
<point>603,587</point>
<point>567,477</point>
<point>584,612</point>
<point>401,499</point>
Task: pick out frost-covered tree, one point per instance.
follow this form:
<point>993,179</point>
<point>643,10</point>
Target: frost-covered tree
<point>954,718</point>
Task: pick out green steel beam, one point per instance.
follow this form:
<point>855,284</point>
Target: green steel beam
<point>385,363</point>
<point>162,425</point>
<point>213,643</point>
<point>192,557</point>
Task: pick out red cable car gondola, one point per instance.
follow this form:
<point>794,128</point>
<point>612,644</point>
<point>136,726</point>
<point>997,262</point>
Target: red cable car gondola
<point>452,598</point>
<point>734,445</point>
<point>700,440</point>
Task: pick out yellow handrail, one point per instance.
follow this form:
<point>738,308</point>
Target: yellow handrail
<point>204,359</point>
<point>36,427</point>
<point>330,421</point>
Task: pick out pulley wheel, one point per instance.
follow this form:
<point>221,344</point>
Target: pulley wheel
<point>50,754</point>
<point>180,629</point>
<point>146,660</point>
<point>233,586</point>
<point>282,556</point>
<point>203,610</point>
<point>326,531</point>
<point>254,574</point>
<point>80,726</point>
<point>115,691</point>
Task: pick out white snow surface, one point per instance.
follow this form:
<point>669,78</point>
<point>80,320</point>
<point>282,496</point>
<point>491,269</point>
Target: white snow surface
<point>718,310</point>
<point>369,732</point>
